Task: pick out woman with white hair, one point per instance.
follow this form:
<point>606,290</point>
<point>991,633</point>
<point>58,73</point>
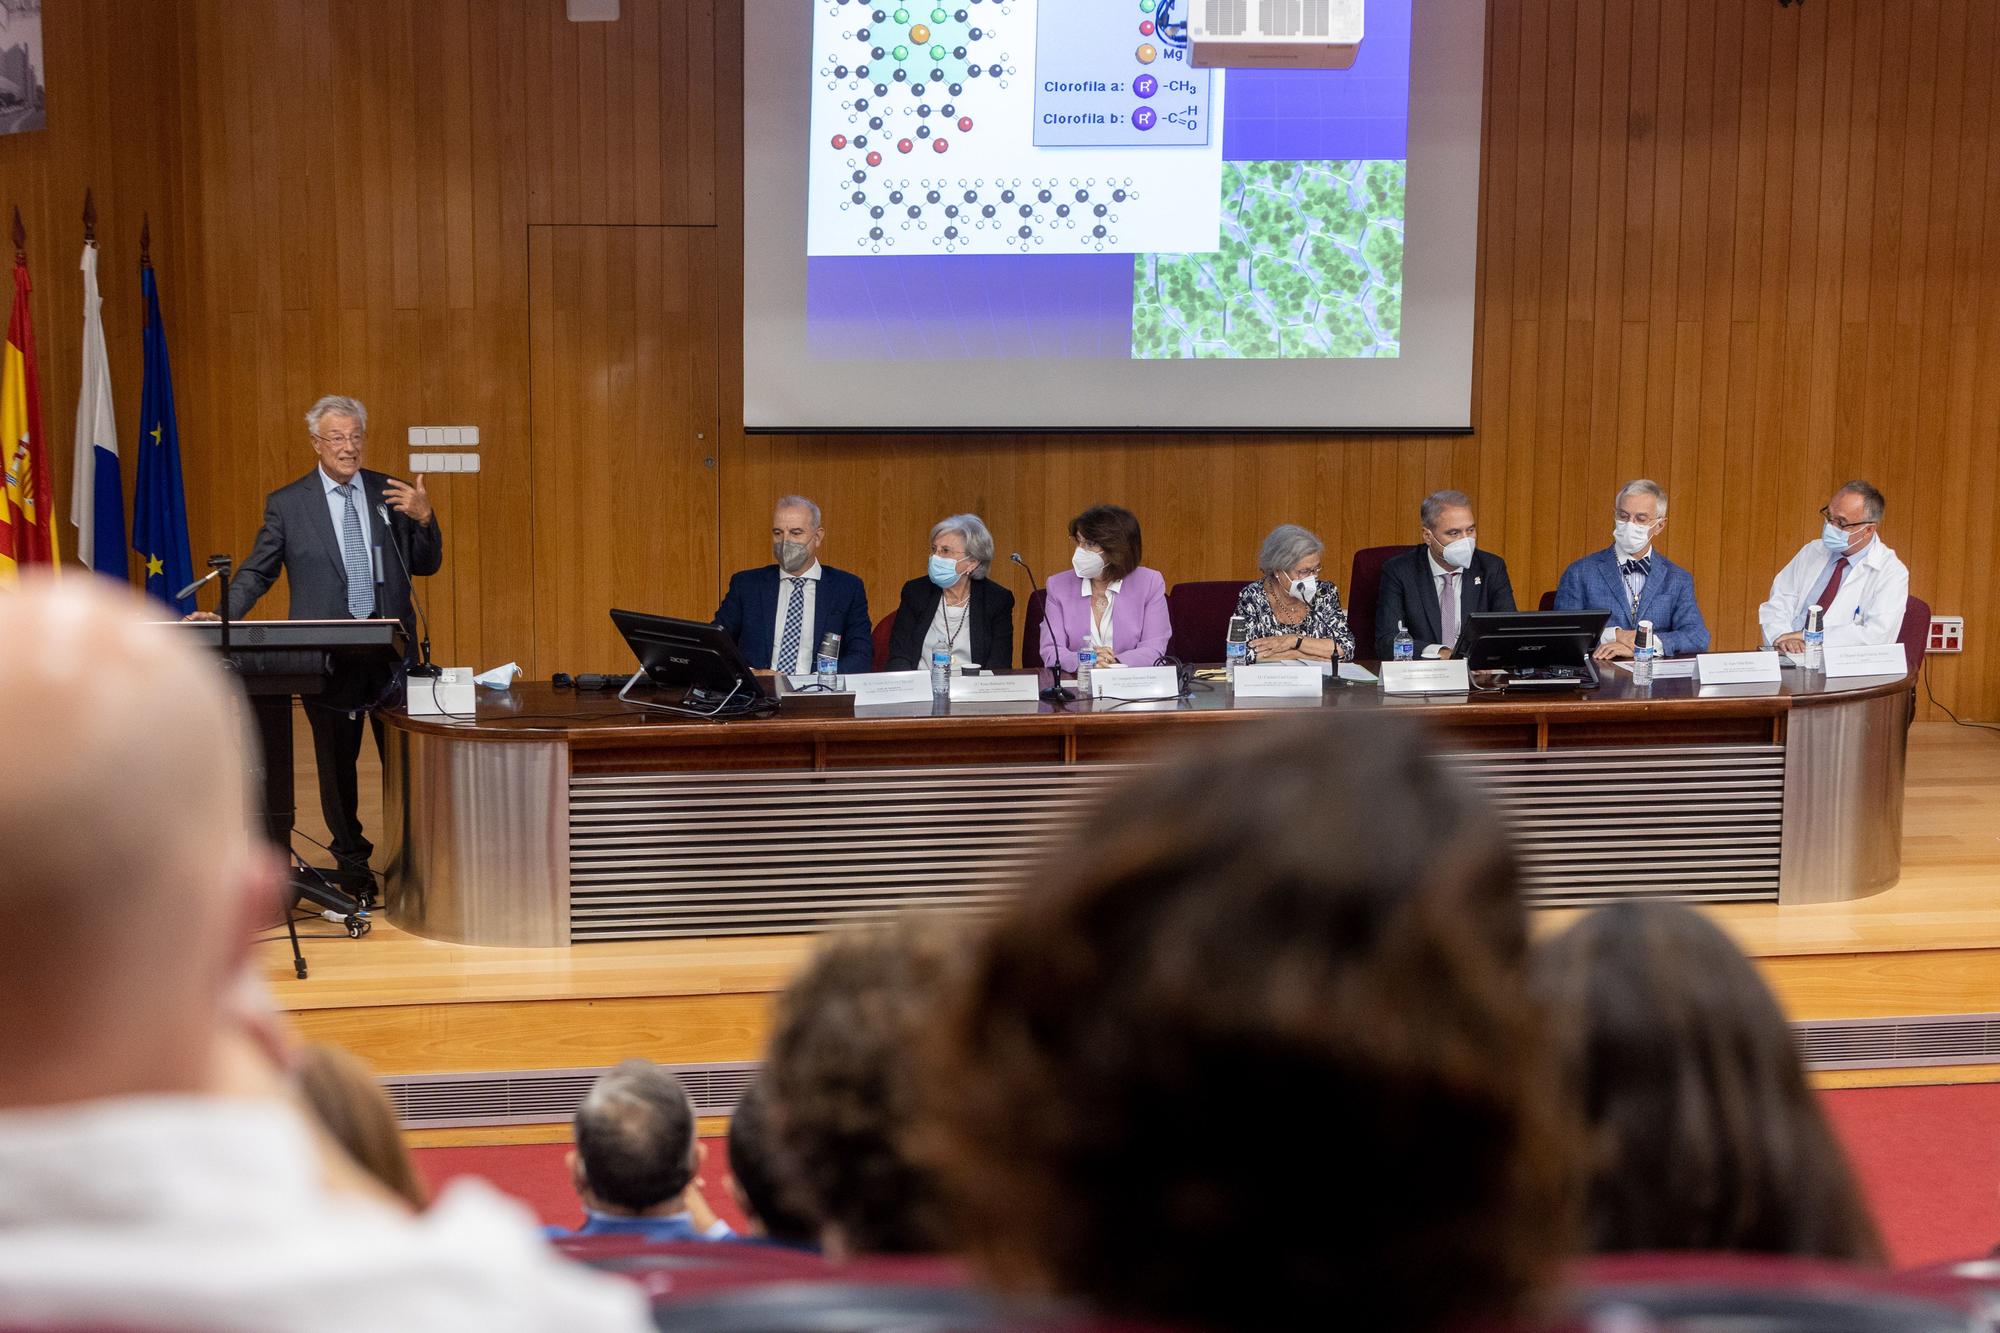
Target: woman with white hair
<point>1293,616</point>
<point>954,607</point>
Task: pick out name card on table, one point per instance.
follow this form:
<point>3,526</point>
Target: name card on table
<point>1867,659</point>
<point>1426,677</point>
<point>890,687</point>
<point>1279,680</point>
<point>996,689</point>
<point>1123,682</point>
<point>1737,668</point>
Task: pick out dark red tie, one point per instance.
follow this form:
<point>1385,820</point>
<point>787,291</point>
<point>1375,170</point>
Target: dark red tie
<point>1833,585</point>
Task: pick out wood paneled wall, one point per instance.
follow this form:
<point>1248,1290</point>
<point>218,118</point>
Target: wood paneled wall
<point>1748,251</point>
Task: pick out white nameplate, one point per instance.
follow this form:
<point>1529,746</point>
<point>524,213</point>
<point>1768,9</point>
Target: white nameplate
<point>996,689</point>
<point>891,687</point>
<point>1737,668</point>
<point>450,691</point>
<point>1279,680</point>
<point>1432,677</point>
<point>1123,682</point>
<point>1867,659</point>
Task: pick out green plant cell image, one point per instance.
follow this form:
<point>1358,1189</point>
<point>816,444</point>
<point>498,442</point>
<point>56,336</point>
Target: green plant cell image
<point>1310,265</point>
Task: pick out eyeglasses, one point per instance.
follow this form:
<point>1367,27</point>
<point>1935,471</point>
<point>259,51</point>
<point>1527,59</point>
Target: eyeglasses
<point>1842,523</point>
<point>342,441</point>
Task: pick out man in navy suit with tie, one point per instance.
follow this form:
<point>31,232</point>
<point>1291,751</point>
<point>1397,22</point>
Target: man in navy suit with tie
<point>777,614</point>
<point>1635,582</point>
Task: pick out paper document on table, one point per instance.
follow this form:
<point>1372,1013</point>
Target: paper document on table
<point>1670,668</point>
<point>1360,675</point>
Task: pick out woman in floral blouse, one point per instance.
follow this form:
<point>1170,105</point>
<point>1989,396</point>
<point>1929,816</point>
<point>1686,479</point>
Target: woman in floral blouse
<point>1292,615</point>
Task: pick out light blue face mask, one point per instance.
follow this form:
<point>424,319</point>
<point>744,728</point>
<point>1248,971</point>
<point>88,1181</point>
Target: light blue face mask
<point>1834,539</point>
<point>944,571</point>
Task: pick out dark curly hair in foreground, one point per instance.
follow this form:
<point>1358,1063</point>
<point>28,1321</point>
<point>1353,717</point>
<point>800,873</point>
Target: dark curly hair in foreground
<point>1256,1049</point>
<point>843,1075</point>
<point>1702,1130</point>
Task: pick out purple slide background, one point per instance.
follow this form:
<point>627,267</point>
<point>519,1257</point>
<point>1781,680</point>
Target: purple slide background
<point>953,307</point>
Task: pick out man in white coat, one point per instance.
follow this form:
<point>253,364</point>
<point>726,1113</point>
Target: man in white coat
<point>1849,573</point>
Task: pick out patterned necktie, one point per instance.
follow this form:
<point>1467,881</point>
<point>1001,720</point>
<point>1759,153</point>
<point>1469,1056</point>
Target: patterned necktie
<point>795,628</point>
<point>1448,610</point>
<point>1832,588</point>
<point>354,555</point>
<point>1642,566</point>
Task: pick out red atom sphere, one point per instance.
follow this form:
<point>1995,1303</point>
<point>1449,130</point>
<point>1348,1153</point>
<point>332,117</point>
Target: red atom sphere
<point>874,159</point>
<point>965,124</point>
<point>840,141</point>
<point>904,145</point>
<point>938,145</point>
<point>1145,27</point>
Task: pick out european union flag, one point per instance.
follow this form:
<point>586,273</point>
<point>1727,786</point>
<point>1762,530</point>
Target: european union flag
<point>159,510</point>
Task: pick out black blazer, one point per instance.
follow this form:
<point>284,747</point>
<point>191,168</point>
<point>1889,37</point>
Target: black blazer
<point>298,537</point>
<point>991,614</point>
<point>1409,596</point>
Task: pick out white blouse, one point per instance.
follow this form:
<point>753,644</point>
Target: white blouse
<point>950,631</point>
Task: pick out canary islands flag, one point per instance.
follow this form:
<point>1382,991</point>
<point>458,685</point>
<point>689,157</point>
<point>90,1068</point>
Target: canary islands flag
<point>28,512</point>
<point>96,493</point>
<point>159,507</point>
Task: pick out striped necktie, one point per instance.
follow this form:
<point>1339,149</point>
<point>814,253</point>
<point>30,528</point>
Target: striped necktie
<point>354,556</point>
<point>795,628</point>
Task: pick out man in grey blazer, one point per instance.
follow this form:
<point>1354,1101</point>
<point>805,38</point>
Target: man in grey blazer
<point>325,530</point>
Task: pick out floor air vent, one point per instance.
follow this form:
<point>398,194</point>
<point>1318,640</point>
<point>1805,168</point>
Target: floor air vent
<point>550,1096</point>
<point>542,1096</point>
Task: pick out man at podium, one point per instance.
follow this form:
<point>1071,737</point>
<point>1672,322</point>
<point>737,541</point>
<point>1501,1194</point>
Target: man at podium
<point>348,540</point>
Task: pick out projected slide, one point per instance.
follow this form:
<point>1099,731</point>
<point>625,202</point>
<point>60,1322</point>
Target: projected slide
<point>1052,179</point>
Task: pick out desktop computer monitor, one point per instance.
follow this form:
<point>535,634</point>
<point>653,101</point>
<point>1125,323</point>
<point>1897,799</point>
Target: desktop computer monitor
<point>690,655</point>
<point>1537,648</point>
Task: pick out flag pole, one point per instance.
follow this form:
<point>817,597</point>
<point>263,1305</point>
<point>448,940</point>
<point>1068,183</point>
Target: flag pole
<point>89,218</point>
<point>20,238</point>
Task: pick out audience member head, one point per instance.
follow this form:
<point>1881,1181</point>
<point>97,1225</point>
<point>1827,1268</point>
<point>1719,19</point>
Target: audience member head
<point>131,881</point>
<point>1263,1044</point>
<point>1113,533</point>
<point>763,1179</point>
<point>845,1066</point>
<point>636,1147</point>
<point>1700,1129</point>
<point>350,1105</point>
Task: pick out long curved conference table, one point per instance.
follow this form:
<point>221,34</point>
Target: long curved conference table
<point>555,818</point>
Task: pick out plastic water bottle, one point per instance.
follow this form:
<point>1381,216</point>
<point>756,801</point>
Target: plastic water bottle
<point>1643,651</point>
<point>826,666</point>
<point>941,673</point>
<point>1406,647</point>
<point>1815,639</point>
<point>1235,647</point>
<point>1086,660</point>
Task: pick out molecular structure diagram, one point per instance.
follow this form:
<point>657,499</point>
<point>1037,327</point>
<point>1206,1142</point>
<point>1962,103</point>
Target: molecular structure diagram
<point>956,215</point>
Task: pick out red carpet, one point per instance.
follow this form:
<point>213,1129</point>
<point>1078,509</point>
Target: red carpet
<point>1929,1159</point>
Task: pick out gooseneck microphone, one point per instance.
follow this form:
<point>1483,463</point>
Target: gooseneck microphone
<point>423,666</point>
<point>1056,693</point>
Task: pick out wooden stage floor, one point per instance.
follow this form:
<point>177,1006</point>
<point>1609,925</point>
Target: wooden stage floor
<point>408,1005</point>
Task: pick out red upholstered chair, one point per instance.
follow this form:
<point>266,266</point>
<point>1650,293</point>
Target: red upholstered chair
<point>1548,602</point>
<point>1031,630</point>
<point>1200,614</point>
<point>1364,588</point>
<point>882,628</point>
<point>1915,635</point>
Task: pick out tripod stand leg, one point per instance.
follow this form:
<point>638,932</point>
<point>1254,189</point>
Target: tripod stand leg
<point>292,929</point>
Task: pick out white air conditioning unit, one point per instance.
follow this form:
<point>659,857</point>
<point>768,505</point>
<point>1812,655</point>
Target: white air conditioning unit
<point>1274,34</point>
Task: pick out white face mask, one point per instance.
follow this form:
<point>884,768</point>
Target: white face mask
<point>1087,564</point>
<point>1458,554</point>
<point>1305,589</point>
<point>1632,538</point>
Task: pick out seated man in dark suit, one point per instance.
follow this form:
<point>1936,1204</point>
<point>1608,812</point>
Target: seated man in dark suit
<point>1635,582</point>
<point>783,631</point>
<point>1431,588</point>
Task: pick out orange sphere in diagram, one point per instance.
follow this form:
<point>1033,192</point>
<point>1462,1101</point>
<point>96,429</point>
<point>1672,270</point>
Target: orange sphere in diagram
<point>920,34</point>
<point>1147,53</point>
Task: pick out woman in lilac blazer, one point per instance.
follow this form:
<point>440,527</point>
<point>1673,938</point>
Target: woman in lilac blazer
<point>1108,591</point>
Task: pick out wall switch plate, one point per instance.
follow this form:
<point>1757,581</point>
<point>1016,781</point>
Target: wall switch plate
<point>1947,635</point>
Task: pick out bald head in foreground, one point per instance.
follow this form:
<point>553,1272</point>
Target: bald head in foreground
<point>156,1170</point>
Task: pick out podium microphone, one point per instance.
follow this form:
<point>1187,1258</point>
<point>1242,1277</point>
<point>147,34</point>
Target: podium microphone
<point>1056,693</point>
<point>423,667</point>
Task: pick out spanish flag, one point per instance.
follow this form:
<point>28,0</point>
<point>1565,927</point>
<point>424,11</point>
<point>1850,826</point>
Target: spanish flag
<point>28,516</point>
